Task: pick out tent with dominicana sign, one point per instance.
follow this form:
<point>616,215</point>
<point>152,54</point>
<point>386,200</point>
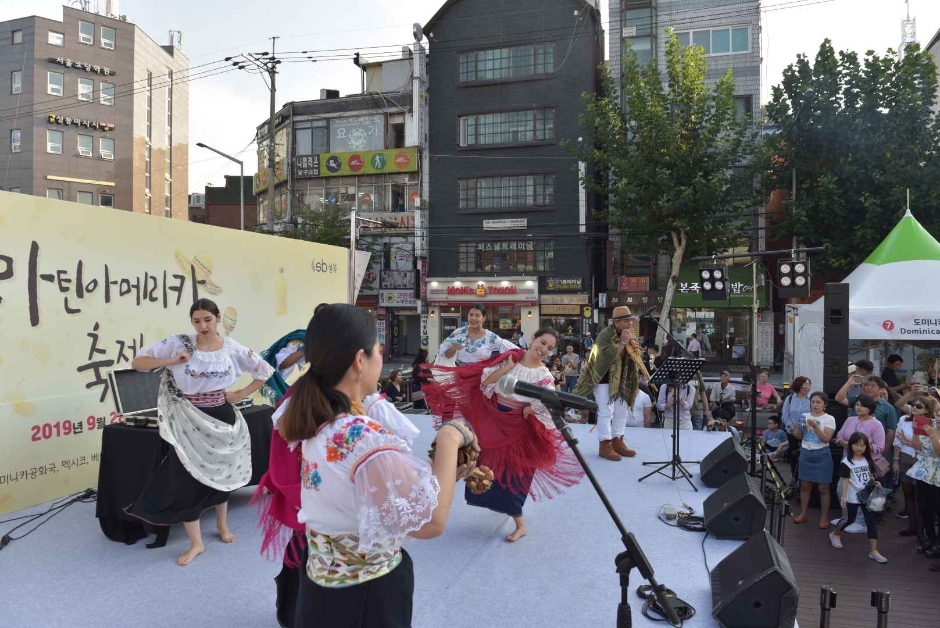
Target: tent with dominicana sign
<point>891,297</point>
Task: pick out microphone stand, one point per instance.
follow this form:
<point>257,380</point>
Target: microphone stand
<point>632,556</point>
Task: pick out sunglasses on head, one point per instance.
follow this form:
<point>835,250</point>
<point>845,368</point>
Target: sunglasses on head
<point>919,406</point>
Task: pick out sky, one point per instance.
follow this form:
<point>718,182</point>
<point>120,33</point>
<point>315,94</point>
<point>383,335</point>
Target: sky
<point>226,107</point>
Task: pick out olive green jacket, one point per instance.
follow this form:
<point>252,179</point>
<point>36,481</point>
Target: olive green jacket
<point>608,356</point>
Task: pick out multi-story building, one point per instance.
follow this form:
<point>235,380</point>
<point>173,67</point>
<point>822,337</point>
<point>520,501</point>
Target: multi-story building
<point>363,152</point>
<point>221,206</point>
<point>510,223</point>
<point>729,31</point>
<point>92,110</point>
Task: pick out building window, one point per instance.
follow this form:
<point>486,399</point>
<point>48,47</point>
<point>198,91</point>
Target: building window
<point>55,84</point>
<point>743,107</point>
<point>15,138</point>
<point>106,147</point>
<point>506,256</point>
<point>507,63</point>
<point>303,141</point>
<point>56,194</point>
<point>106,200</point>
<point>56,39</point>
<point>718,41</point>
<point>505,192</point>
<point>14,191</point>
<point>321,137</point>
<point>86,146</point>
<point>17,37</point>
<point>54,142</point>
<point>397,135</point>
<point>510,127</point>
<point>108,36</point>
<point>86,198</point>
<point>107,94</point>
<point>16,82</point>
<point>638,32</point>
<point>86,89</point>
<point>86,33</point>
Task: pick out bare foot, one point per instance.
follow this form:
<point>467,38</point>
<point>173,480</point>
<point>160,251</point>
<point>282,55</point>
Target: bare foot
<point>517,534</point>
<point>191,553</point>
<point>226,534</point>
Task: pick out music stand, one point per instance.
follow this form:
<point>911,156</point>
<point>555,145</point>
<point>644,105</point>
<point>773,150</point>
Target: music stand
<point>675,373</point>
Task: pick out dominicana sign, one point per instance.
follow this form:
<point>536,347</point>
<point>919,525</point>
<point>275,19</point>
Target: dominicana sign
<point>352,164</point>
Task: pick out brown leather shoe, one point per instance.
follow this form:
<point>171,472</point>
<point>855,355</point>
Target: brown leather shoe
<point>621,447</point>
<point>607,451</point>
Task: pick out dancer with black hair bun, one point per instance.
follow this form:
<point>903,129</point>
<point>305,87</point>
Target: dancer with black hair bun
<point>211,447</point>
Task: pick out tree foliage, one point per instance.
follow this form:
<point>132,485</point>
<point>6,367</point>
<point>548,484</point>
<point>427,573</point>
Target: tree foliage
<point>664,159</point>
<point>867,137</point>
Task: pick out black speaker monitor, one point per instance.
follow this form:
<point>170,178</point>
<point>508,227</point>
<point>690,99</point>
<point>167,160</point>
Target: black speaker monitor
<point>736,510</point>
<point>755,587</point>
<point>723,463</point>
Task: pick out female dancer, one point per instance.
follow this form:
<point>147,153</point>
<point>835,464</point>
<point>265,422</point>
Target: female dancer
<point>473,343</point>
<point>211,454</point>
<point>285,355</point>
<point>518,439</point>
<point>816,430</point>
<point>362,489</point>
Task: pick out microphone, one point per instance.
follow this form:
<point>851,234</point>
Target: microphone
<point>646,312</point>
<point>510,384</point>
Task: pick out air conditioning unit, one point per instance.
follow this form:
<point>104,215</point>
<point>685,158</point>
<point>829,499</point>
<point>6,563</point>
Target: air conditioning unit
<point>85,152</point>
<point>15,148</point>
<point>107,155</point>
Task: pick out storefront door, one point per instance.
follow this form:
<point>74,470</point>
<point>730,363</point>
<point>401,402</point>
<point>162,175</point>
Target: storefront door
<point>449,324</point>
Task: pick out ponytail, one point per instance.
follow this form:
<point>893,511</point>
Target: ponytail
<point>312,405</point>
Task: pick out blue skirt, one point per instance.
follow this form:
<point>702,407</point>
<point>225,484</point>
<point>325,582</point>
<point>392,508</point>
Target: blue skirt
<point>816,466</point>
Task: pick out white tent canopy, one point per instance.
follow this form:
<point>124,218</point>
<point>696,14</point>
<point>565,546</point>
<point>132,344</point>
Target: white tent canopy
<point>890,298</point>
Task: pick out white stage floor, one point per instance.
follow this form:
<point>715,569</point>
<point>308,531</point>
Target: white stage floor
<point>562,574</point>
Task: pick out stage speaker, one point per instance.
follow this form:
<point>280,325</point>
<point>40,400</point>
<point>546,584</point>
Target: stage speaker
<point>723,463</point>
<point>835,337</point>
<point>736,510</point>
<point>755,587</point>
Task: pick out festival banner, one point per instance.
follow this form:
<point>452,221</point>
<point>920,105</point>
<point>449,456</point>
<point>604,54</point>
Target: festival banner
<point>83,288</point>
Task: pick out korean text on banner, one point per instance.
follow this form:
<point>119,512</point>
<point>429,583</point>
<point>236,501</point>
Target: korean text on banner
<point>83,288</point>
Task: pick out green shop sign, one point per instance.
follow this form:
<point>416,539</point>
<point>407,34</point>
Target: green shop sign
<point>689,290</point>
<point>352,164</point>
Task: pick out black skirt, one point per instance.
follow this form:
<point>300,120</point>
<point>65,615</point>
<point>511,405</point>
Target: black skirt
<point>172,495</point>
<point>288,582</point>
<point>385,602</point>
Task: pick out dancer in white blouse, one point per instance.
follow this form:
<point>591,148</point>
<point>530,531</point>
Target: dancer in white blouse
<point>473,343</point>
<point>211,454</point>
<point>362,489</point>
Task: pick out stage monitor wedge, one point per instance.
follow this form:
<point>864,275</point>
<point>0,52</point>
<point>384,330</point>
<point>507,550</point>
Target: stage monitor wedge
<point>754,587</point>
<point>736,510</point>
<point>723,463</point>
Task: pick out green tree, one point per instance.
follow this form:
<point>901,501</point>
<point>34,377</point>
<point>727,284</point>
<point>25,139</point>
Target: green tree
<point>867,137</point>
<point>664,159</point>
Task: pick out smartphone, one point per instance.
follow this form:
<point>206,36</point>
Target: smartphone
<point>920,422</point>
<point>860,379</point>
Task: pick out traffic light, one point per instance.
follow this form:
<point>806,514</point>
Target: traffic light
<point>793,277</point>
<point>714,283</point>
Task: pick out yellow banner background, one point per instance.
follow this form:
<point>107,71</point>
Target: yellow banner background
<point>136,283</point>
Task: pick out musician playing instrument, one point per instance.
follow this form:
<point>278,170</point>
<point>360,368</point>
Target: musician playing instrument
<point>612,373</point>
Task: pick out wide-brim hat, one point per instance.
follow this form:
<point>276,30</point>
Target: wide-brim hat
<point>621,312</point>
<point>201,266</point>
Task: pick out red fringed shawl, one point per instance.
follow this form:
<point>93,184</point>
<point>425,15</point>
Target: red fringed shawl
<point>523,454</point>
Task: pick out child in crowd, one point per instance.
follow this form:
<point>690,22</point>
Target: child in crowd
<point>775,439</point>
<point>856,469</point>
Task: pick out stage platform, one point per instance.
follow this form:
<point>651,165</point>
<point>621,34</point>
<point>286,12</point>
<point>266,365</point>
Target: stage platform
<point>562,574</point>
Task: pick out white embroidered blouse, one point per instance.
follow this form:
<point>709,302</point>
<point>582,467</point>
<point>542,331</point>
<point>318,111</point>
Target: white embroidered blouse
<point>476,349</point>
<point>290,349</point>
<point>362,492</point>
<point>540,376</point>
<point>208,371</point>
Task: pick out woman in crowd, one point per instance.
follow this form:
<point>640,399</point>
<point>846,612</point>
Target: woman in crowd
<point>920,409</point>
<point>794,407</point>
<point>767,393</point>
<point>474,343</point>
<point>865,422</point>
<point>667,401</point>
<point>420,375</point>
<point>393,391</point>
<point>557,372</point>
<point>926,472</point>
<point>517,436</point>
<point>816,430</point>
<point>362,489</point>
<point>211,447</point>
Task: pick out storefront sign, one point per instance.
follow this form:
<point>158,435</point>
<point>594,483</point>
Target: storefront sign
<point>88,67</point>
<point>397,298</point>
<point>565,299</point>
<point>397,280</point>
<point>472,290</point>
<point>404,221</point>
<point>505,223</point>
<point>506,246</point>
<point>262,176</point>
<point>56,118</point>
<point>424,279</point>
<point>424,331</point>
<point>587,312</point>
<point>549,310</point>
<point>380,330</point>
<point>356,163</point>
<point>689,290</point>
<point>564,285</point>
<point>634,284</point>
<point>357,133</point>
<point>615,299</point>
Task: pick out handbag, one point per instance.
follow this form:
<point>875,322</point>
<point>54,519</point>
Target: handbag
<point>882,467</point>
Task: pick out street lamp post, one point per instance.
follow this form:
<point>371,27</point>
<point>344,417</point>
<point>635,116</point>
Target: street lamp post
<point>241,178</point>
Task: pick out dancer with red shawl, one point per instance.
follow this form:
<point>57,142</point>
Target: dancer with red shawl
<point>517,436</point>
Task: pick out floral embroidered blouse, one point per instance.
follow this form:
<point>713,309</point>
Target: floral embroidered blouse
<point>208,371</point>
<point>476,349</point>
<point>540,376</point>
<point>927,466</point>
<point>362,492</point>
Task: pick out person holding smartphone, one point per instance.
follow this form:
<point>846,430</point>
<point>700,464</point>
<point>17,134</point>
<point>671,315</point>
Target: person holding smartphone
<point>921,410</point>
<point>816,429</point>
<point>926,472</point>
